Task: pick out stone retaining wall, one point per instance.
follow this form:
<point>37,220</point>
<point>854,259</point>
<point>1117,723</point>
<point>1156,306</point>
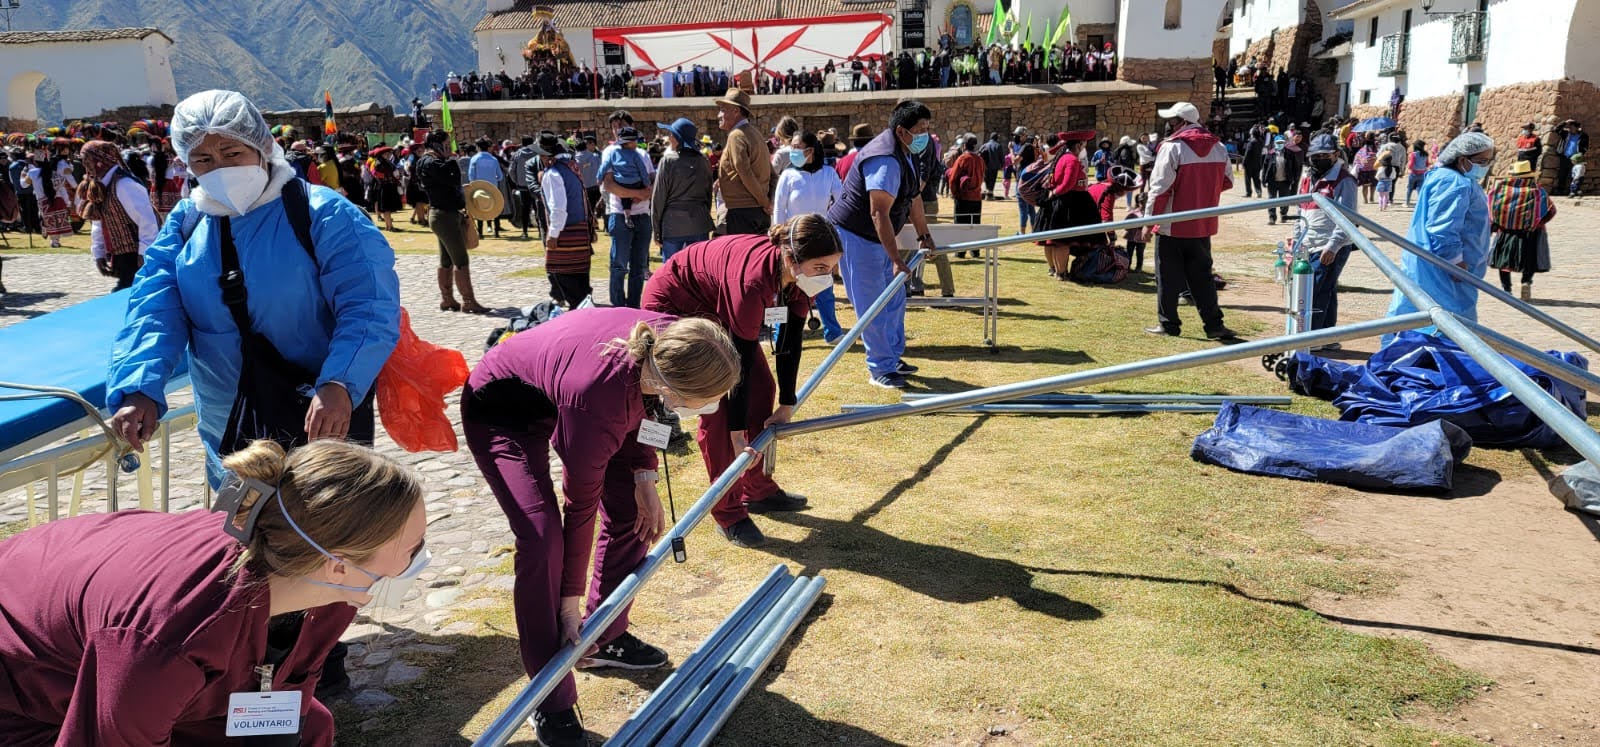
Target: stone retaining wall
<point>1112,108</point>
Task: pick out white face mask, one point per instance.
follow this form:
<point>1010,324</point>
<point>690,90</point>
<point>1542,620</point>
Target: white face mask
<point>811,285</point>
<point>385,591</point>
<point>236,187</point>
<point>684,413</point>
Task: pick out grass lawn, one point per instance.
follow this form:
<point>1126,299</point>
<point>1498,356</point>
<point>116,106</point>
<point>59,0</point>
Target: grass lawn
<point>1009,580</point>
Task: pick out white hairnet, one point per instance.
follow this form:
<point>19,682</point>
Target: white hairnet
<point>1465,144</point>
<point>225,113</point>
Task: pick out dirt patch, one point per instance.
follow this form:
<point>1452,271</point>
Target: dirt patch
<point>1498,578</point>
<point>1499,581</point>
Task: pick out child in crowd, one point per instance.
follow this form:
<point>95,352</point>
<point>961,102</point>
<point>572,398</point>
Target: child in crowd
<point>1388,172</point>
<point>1008,173</point>
<point>1575,190</point>
<point>1136,237</point>
<point>626,167</point>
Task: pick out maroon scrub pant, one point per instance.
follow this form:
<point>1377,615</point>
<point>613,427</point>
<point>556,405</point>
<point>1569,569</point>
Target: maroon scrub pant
<point>516,465</point>
<point>718,452</point>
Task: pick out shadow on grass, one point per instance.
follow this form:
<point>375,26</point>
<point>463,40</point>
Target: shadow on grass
<point>1007,354</point>
<point>761,710</point>
<point>944,573</point>
<point>1342,620</point>
<point>492,663</point>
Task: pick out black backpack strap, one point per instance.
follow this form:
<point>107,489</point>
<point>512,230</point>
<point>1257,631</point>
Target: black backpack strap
<point>297,205</point>
<point>232,281</point>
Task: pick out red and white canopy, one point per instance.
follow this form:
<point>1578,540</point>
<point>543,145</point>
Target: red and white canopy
<point>772,46</point>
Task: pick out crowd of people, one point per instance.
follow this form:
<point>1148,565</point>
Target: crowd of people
<point>752,233</point>
<point>944,66</point>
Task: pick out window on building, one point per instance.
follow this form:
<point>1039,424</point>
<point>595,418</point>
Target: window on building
<point>1097,41</point>
<point>1083,117</point>
<point>961,24</point>
<point>1372,31</point>
<point>1469,110</point>
<point>1366,96</point>
<point>1174,15</point>
<point>1405,22</point>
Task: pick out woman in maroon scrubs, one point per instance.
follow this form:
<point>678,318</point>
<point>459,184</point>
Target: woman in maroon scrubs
<point>578,384</point>
<point>737,281</point>
<point>139,628</point>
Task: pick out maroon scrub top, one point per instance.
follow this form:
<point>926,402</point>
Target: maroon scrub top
<point>130,628</point>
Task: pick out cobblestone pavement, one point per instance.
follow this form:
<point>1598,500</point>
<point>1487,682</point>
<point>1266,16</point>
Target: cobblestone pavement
<point>466,529</point>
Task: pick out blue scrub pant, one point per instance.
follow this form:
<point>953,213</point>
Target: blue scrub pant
<point>824,303</point>
<point>630,257</point>
<point>867,271</point>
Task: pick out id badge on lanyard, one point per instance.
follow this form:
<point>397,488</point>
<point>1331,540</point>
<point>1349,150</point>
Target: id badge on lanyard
<point>263,713</point>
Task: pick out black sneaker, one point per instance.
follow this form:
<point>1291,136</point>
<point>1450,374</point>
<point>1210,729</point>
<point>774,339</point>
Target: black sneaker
<point>906,369</point>
<point>559,729</point>
<point>745,533</point>
<point>782,500</point>
<point>1221,333</point>
<point>625,652</point>
<point>890,381</point>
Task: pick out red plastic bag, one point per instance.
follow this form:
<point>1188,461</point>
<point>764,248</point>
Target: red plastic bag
<point>412,388</point>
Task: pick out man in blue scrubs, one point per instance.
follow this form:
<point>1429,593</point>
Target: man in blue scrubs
<point>882,191</point>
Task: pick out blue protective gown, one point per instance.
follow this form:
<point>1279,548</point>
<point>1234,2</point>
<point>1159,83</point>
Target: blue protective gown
<point>338,316</point>
<point>1452,223</point>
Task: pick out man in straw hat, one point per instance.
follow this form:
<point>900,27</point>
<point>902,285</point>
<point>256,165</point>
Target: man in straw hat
<point>745,170</point>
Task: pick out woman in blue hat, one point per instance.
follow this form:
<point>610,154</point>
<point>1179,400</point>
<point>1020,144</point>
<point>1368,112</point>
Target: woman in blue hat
<point>680,209</point>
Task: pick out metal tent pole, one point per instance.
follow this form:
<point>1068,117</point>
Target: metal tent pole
<point>1064,233</point>
<point>539,686</point>
<point>1090,398</point>
<point>1477,282</point>
<point>1110,373</point>
<point>1054,408</point>
<point>1572,429</point>
<point>1537,358</point>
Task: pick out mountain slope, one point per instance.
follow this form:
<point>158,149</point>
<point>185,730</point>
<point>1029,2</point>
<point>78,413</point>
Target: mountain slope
<point>284,54</point>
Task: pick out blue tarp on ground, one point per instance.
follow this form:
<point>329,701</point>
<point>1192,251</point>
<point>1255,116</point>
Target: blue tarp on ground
<point>1372,457</point>
<point>1420,378</point>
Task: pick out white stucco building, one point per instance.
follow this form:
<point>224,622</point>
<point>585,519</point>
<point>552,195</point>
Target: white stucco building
<point>95,70</point>
<point>1500,62</point>
<point>500,36</point>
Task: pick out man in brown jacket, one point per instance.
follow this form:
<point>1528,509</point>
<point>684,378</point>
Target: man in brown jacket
<point>744,172</point>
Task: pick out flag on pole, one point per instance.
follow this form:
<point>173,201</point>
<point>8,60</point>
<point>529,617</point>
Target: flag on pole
<point>444,119</point>
<point>1027,34</point>
<point>996,20</point>
<point>328,126</point>
<point>1062,27</point>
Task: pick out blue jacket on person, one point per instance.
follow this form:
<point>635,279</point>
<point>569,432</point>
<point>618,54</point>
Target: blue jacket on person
<point>1452,223</point>
<point>338,316</point>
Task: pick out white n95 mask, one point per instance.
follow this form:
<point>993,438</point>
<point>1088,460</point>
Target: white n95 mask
<point>236,187</point>
<point>684,413</point>
<point>811,285</point>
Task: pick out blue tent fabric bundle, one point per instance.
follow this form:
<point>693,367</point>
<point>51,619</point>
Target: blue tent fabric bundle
<point>1371,457</point>
<point>1419,378</point>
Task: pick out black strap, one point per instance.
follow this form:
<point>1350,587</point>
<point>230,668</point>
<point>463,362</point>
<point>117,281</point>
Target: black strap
<point>234,295</point>
<point>297,206</point>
